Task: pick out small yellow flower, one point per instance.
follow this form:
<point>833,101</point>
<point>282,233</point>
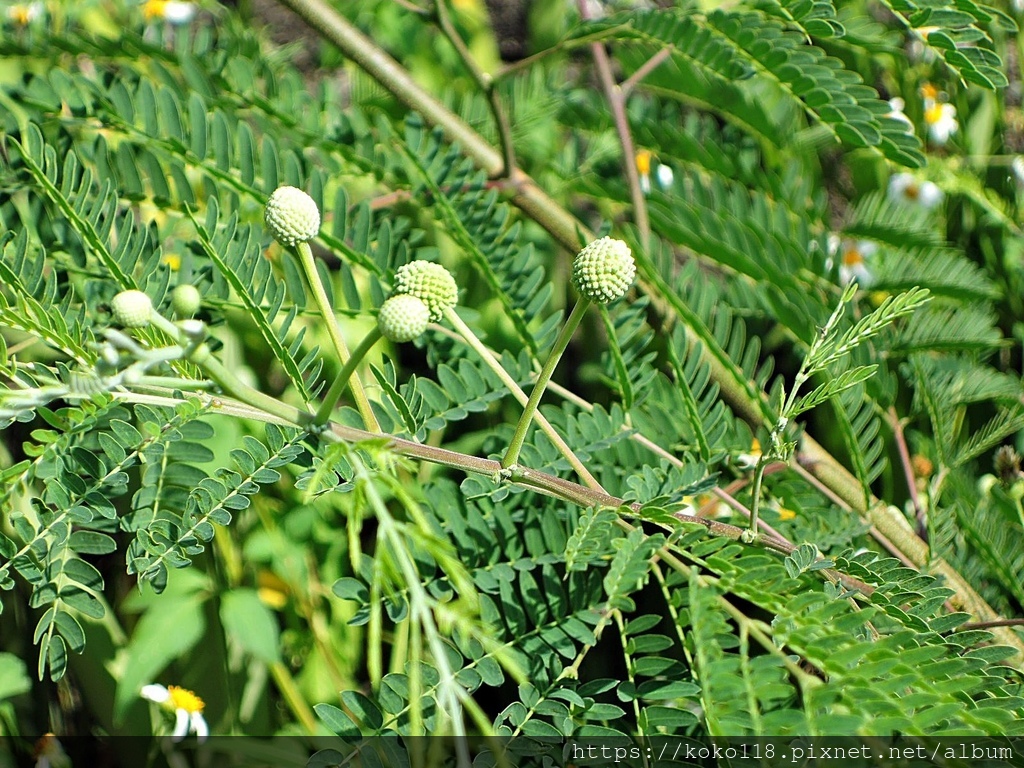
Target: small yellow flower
<point>929,93</point>
<point>271,590</point>
<point>786,514</point>
<point>172,260</point>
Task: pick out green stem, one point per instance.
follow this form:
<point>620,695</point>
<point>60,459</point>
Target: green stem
<point>334,331</point>
<point>517,392</point>
<point>293,697</point>
<point>337,389</point>
<point>755,503</point>
<point>571,324</point>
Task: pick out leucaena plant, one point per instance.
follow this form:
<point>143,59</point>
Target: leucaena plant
<point>288,352</point>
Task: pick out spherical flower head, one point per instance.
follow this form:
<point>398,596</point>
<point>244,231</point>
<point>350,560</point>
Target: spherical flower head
<point>185,300</point>
<point>604,270</point>
<point>430,283</point>
<point>292,216</point>
<point>132,309</point>
<point>403,317</point>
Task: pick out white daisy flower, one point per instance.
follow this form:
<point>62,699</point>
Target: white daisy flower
<point>23,14</point>
<point>187,708</point>
<point>174,12</point>
<point>941,121</point>
<point>853,262</point>
<point>904,188</point>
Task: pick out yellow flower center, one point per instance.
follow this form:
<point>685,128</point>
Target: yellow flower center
<point>21,15</point>
<point>911,192</point>
<point>643,162</point>
<point>933,114</point>
<point>929,91</point>
<point>852,257</point>
<point>154,9</point>
<point>921,465</point>
<point>172,260</point>
<point>182,698</point>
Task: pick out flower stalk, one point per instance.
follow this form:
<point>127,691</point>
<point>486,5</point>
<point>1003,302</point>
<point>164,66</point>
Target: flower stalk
<point>492,362</point>
<point>334,331</point>
<point>602,272</point>
<point>519,437</point>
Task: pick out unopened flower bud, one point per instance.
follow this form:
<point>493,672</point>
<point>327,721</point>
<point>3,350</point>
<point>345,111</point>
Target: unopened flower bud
<point>292,216</point>
<point>604,270</point>
<point>403,317</point>
<point>132,309</point>
<point>430,283</point>
<point>185,300</point>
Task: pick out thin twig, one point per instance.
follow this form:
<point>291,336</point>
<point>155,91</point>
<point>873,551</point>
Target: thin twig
<point>908,473</point>
<point>643,71</point>
<point>411,6</point>
<point>515,67</point>
<point>988,624</point>
<point>486,84</point>
<point>617,102</point>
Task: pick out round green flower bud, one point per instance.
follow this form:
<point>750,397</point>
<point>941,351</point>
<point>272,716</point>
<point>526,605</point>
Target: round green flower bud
<point>604,270</point>
<point>185,300</point>
<point>430,283</point>
<point>131,309</point>
<point>292,216</point>
<point>403,317</point>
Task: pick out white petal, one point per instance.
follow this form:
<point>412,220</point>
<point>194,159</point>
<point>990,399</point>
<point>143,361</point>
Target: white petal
<point>180,724</point>
<point>645,183</point>
<point>156,693</point>
<point>930,195</point>
<point>200,727</point>
<point>178,12</point>
<point>665,176</point>
<point>898,185</point>
<point>1018,169</point>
